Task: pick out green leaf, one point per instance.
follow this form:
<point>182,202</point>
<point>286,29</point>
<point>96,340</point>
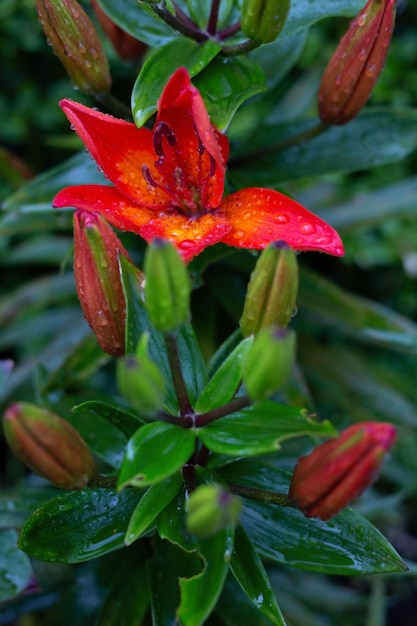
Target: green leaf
<point>155,451</point>
<point>104,438</point>
<point>159,67</point>
<point>39,192</point>
<point>199,593</point>
<point>250,573</point>
<point>260,429</point>
<point>15,568</point>
<point>6,366</point>
<point>368,209</point>
<point>126,604</point>
<point>376,137</point>
<point>79,526</point>
<point>77,366</point>
<point>16,505</point>
<point>223,385</point>
<point>126,422</point>
<point>278,57</point>
<point>165,592</point>
<point>361,386</point>
<point>362,319</point>
<point>138,21</point>
<point>226,83</point>
<point>304,13</point>
<point>347,544</point>
<point>153,501</point>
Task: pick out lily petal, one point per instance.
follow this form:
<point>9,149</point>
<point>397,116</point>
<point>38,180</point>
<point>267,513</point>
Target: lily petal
<point>121,150</point>
<point>259,216</point>
<point>199,151</point>
<point>190,235</point>
<point>109,202</point>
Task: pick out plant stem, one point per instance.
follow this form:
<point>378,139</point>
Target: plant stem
<point>214,15</point>
<point>240,48</point>
<point>177,24</point>
<point>269,497</point>
<point>188,471</point>
<point>229,31</point>
<point>175,366</point>
<point>306,135</point>
<point>235,405</point>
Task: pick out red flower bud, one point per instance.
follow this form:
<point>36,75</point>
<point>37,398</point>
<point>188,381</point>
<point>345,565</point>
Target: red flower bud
<point>97,279</point>
<point>76,43</point>
<point>48,445</point>
<point>357,63</point>
<point>339,470</point>
<point>127,47</point>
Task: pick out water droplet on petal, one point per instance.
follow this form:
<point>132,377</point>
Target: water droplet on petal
<point>307,229</point>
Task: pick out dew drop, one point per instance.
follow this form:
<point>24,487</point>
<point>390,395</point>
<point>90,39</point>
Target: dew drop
<point>307,229</point>
<point>362,19</point>
<point>282,219</point>
<point>239,234</point>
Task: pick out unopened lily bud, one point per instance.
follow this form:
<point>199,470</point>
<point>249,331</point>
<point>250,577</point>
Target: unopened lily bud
<point>339,470</point>
<point>167,286</point>
<point>263,20</point>
<point>357,63</point>
<point>97,279</point>
<point>48,445</point>
<point>127,47</point>
<point>140,380</point>
<point>268,362</point>
<point>211,508</point>
<point>76,43</point>
<point>272,290</point>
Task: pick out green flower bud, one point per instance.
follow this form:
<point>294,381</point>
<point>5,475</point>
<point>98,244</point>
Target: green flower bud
<point>263,20</point>
<point>48,445</point>
<point>140,381</point>
<point>76,43</point>
<point>269,361</point>
<point>211,508</point>
<point>167,286</point>
<point>272,290</point>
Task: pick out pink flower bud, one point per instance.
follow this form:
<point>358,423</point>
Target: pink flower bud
<point>97,279</point>
<point>76,43</point>
<point>339,470</point>
<point>48,445</point>
<point>357,63</point>
<point>127,47</point>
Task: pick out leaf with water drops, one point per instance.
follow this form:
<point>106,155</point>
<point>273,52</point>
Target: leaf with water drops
<point>345,545</point>
<point>126,422</point>
<point>223,385</point>
<point>159,67</point>
<point>153,501</point>
<point>156,451</point>
<point>304,13</point>
<point>260,429</point>
<point>15,568</point>
<point>354,316</point>
<point>248,569</point>
<point>79,526</point>
<point>139,21</point>
<point>225,84</point>
<point>376,137</point>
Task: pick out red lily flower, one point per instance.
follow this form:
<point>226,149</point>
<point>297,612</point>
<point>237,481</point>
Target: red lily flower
<point>169,182</point>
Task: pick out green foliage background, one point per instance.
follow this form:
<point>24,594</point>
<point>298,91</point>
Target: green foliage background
<point>358,358</point>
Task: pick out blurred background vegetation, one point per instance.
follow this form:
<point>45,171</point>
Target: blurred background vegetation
<point>348,378</point>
